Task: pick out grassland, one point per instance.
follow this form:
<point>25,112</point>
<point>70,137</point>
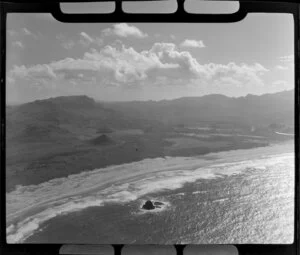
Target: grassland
<point>54,138</point>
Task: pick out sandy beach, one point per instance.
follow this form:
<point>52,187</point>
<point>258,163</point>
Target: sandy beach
<point>30,206</point>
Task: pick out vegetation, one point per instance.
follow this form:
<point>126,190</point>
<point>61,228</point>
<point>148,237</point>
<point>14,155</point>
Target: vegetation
<point>57,137</point>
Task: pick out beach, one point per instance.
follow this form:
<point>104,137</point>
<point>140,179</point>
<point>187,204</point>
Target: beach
<point>29,208</point>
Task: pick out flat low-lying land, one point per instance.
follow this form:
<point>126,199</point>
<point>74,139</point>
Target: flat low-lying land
<point>57,137</point>
<point>67,154</point>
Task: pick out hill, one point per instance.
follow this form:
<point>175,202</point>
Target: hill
<point>250,110</point>
<point>101,140</point>
<point>56,137</point>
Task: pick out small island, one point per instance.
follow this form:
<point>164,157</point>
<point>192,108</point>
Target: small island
<point>149,205</point>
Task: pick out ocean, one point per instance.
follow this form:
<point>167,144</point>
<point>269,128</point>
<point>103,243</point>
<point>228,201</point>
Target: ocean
<point>242,196</point>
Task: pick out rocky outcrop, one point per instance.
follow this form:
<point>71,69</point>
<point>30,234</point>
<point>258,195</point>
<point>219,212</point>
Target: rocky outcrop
<point>149,205</point>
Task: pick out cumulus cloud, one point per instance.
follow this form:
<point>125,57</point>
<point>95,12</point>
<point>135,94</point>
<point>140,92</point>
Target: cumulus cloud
<point>122,65</point>
<point>38,72</point>
<point>116,65</point>
<point>124,30</point>
<point>18,44</point>
<point>192,44</point>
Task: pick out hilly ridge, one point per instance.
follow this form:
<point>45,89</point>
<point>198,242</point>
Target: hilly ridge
<point>63,116</point>
<point>56,137</point>
<point>249,110</point>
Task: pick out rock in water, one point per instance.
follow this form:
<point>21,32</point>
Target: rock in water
<point>148,205</point>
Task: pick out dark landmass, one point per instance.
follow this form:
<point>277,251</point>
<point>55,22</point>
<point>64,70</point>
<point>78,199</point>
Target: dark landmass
<point>149,205</point>
<point>60,136</point>
<point>250,110</point>
<point>102,140</point>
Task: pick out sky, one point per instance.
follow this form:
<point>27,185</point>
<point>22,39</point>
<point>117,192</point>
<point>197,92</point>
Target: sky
<point>147,61</point>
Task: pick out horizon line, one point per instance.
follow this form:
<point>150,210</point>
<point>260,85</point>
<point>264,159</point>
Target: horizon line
<point>148,100</point>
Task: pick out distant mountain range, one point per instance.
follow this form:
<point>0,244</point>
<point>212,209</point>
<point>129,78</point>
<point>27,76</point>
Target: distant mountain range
<point>250,110</point>
<point>56,137</point>
<point>60,116</point>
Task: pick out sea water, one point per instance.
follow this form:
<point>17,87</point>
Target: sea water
<point>244,196</point>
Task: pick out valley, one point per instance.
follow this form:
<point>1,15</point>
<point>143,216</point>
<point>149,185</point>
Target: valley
<point>57,137</point>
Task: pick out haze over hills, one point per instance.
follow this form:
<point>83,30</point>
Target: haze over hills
<point>104,118</point>
<point>69,113</point>
<point>249,110</point>
<point>56,137</point>
<point>83,112</point>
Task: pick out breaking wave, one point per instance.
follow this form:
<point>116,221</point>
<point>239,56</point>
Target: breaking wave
<point>28,207</point>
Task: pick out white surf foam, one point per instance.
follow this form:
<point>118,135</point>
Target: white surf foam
<point>132,181</point>
<point>198,192</point>
<point>286,134</point>
<point>221,200</point>
<point>161,208</point>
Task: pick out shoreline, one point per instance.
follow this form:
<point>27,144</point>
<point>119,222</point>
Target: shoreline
<point>167,169</point>
<point>207,160</point>
<point>61,162</point>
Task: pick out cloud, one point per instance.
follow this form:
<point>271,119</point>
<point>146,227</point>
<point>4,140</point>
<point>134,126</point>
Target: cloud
<point>280,82</point>
<point>124,30</point>
<point>18,44</point>
<point>38,73</point>
<point>281,85</point>
<point>21,32</point>
<point>280,67</point>
<point>68,44</point>
<point>26,31</point>
<point>287,63</point>
<point>287,59</point>
<point>192,43</point>
<point>188,65</point>
<point>64,42</point>
<point>116,65</point>
<point>86,39</point>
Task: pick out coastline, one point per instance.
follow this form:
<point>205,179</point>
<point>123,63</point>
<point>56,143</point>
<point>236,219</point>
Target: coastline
<point>206,159</point>
<point>94,188</point>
